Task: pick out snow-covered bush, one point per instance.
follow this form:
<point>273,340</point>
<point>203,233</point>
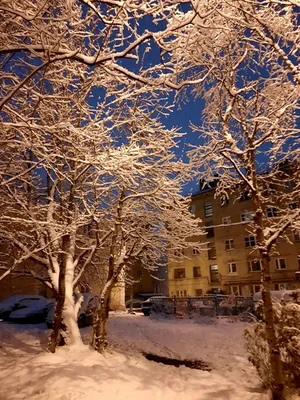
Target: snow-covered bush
<point>287,323</point>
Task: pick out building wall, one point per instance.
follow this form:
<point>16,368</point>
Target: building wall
<point>141,280</point>
<point>15,284</point>
<point>242,280</point>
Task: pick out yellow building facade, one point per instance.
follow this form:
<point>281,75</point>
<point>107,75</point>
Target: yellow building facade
<point>230,263</point>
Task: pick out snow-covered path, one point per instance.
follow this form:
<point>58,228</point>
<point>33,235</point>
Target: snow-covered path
<point>26,372</point>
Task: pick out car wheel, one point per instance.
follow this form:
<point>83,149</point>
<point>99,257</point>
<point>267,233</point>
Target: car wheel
<point>146,313</point>
<point>81,321</point>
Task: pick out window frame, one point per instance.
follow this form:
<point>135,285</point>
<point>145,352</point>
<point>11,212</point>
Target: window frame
<point>193,208</point>
<point>194,269</point>
<point>231,244</point>
<point>296,236</point>
<point>230,272</point>
<point>253,289</point>
<point>245,196</point>
<point>208,211</point>
<point>226,219</point>
<point>284,286</point>
<point>271,212</point>
<point>278,264</point>
<point>232,290</point>
<point>215,273</point>
<point>176,271</point>
<point>210,230</point>
<point>251,262</point>
<point>224,201</point>
<point>293,206</point>
<point>244,217</point>
<point>212,248</point>
<point>250,240</point>
<point>178,252</point>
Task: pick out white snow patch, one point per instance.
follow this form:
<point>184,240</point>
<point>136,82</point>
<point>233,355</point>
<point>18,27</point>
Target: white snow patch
<point>27,372</point>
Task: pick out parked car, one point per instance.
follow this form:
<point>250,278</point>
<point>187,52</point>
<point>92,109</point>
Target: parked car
<point>277,295</point>
<point>160,305</point>
<point>136,304</point>
<point>87,310</point>
<point>86,313</point>
<point>34,307</point>
<point>30,310</point>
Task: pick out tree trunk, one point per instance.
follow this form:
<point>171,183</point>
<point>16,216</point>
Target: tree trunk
<point>65,327</point>
<point>72,332</point>
<point>277,384</point>
<point>100,329</point>
<point>58,319</point>
<point>277,380</point>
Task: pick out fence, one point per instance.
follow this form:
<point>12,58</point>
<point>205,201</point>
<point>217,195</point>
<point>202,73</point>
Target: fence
<point>209,306</point>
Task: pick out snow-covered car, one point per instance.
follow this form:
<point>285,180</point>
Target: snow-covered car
<point>158,304</point>
<point>86,313</point>
<point>136,304</point>
<point>27,309</point>
<point>16,302</point>
<point>277,295</point>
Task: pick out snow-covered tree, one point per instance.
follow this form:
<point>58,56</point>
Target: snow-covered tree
<point>147,212</point>
<point>66,67</point>
<point>287,325</point>
<point>248,52</point>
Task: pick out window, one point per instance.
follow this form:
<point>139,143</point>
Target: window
<point>193,208</point>
<point>229,244</point>
<point>271,212</point>
<point>254,266</point>
<point>196,272</point>
<point>177,293</point>
<point>250,241</point>
<point>226,221</point>
<point>256,288</point>
<point>184,293</point>
<point>140,273</point>
<point>212,254</point>
<point>210,232</point>
<point>293,206</point>
<point>248,216</point>
<point>208,209</point>
<point>280,286</point>
<point>245,196</point>
<point>235,290</point>
<point>198,292</point>
<point>214,273</point>
<point>224,201</point>
<point>289,185</point>
<point>179,273</point>
<point>232,269</point>
<point>179,253</point>
<point>280,263</point>
<point>196,252</point>
<point>296,236</point>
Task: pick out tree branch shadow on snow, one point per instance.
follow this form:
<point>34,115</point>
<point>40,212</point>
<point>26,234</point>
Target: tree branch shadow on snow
<point>14,339</point>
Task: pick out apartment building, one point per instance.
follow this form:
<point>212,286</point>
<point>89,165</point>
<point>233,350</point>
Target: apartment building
<point>230,263</point>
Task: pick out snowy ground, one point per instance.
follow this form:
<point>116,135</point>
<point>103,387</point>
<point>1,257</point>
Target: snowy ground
<point>27,372</point>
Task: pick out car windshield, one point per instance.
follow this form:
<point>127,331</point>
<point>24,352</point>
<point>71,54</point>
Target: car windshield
<point>26,302</point>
